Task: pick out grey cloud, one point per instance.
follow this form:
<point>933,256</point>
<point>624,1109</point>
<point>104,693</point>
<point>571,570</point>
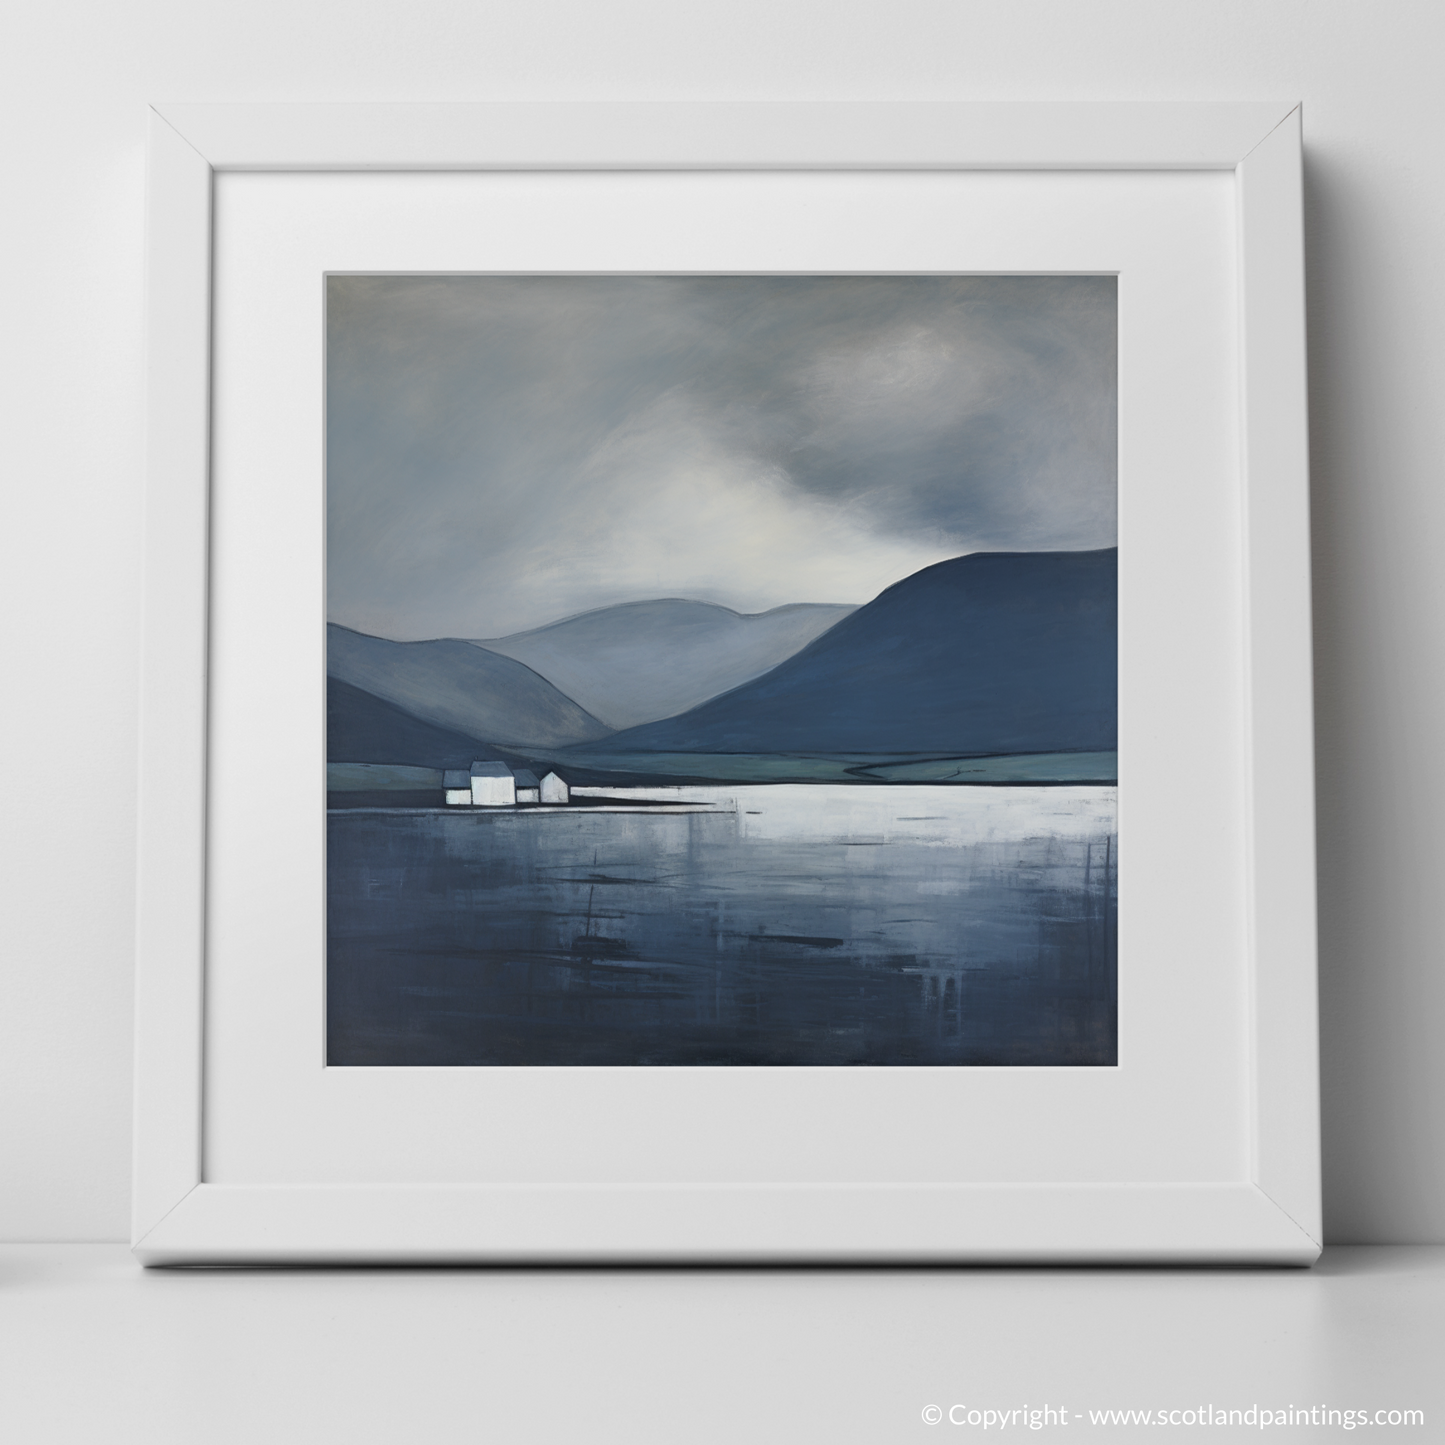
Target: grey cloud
<point>470,417</point>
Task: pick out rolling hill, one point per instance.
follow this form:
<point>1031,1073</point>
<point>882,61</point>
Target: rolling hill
<point>361,728</point>
<point>460,688</point>
<point>642,661</point>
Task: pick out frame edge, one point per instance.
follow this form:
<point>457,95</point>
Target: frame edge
<point>170,866</point>
<point>726,135</point>
<point>1279,677</point>
<point>728,1224</point>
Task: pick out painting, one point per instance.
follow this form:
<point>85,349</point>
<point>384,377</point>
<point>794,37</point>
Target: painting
<point>721,670</point>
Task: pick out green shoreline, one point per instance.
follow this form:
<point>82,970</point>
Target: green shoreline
<point>701,769</point>
<point>1027,768</point>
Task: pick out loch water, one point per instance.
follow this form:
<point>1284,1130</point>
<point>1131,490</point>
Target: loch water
<point>751,925</point>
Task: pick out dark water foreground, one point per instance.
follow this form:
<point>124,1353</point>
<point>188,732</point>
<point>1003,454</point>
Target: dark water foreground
<point>812,925</point>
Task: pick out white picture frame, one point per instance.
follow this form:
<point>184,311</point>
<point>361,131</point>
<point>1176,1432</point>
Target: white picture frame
<point>1269,1212</point>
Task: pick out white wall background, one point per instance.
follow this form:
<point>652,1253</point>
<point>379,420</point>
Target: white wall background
<point>75,78</point>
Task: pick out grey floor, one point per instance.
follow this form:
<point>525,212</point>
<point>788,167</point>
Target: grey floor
<point>93,1348</point>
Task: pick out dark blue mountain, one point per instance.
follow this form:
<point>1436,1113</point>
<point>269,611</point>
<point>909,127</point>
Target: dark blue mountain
<point>361,728</point>
<point>997,652</point>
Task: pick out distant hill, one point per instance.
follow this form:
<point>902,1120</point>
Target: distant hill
<point>361,728</point>
<point>994,653</point>
<point>646,660</point>
<point>460,688</point>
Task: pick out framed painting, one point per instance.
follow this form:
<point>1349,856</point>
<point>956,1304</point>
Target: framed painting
<point>726,682</point>
<point>722,670</point>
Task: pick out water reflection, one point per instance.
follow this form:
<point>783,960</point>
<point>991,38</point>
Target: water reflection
<point>773,925</point>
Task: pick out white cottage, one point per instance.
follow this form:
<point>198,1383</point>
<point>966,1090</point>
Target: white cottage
<point>554,790</point>
<point>458,785</point>
<point>493,786</point>
<point>529,790</point>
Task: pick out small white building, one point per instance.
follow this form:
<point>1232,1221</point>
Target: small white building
<point>554,790</point>
<point>493,786</point>
<point>529,790</point>
<point>458,785</point>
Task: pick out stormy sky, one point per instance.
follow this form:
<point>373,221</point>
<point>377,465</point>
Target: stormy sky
<point>503,452</point>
